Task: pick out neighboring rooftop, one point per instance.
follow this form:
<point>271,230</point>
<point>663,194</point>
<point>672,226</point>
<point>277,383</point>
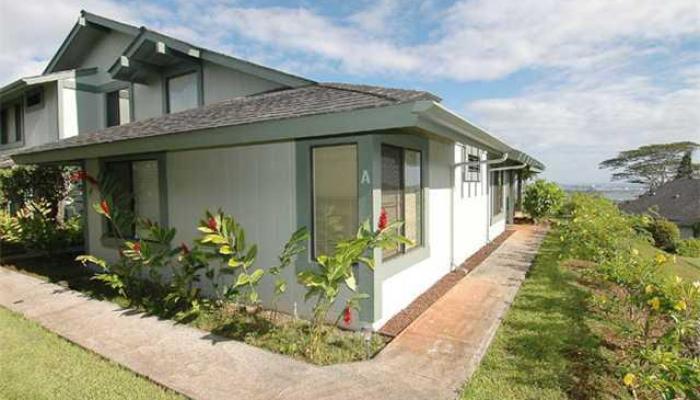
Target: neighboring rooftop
<point>678,200</point>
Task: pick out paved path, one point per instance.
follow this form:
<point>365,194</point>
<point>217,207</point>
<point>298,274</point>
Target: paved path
<point>431,359</point>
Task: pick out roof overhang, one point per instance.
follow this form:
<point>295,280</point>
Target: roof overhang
<point>83,33</point>
<point>426,117</point>
<point>11,89</point>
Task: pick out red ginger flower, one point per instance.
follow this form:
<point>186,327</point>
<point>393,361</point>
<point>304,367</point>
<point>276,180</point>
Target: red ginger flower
<point>383,220</point>
<point>82,176</point>
<point>137,247</point>
<point>211,223</point>
<point>184,249</point>
<point>347,316</point>
<point>78,176</point>
<point>105,207</point>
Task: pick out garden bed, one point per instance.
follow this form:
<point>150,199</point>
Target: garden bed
<point>274,331</point>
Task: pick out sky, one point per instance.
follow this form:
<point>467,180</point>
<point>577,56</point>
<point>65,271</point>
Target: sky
<point>570,82</point>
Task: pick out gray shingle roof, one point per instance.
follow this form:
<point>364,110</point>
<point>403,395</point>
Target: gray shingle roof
<point>677,200</point>
<point>283,104</point>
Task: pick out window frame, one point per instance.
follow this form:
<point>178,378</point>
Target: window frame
<point>420,230</point>
<point>111,241</point>
<point>500,188</point>
<point>117,95</point>
<point>312,187</point>
<point>196,72</point>
<point>34,91</point>
<point>18,118</point>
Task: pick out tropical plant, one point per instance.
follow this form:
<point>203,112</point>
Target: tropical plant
<point>295,246</point>
<point>46,185</point>
<point>36,228</point>
<point>225,239</point>
<point>665,234</point>
<point>689,247</point>
<point>335,273</point>
<point>656,315</point>
<point>543,199</point>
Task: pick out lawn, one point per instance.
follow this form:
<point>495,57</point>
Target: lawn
<point>685,267</point>
<point>37,364</point>
<point>545,348</point>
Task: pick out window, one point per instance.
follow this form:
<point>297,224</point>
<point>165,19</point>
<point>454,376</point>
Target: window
<point>471,173</point>
<point>496,193</point>
<point>335,196</point>
<point>182,92</point>
<point>117,106</point>
<point>402,193</point>
<point>136,191</point>
<point>33,98</point>
<point>11,124</point>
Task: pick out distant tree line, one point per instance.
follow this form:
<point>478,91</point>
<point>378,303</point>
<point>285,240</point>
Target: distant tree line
<point>653,165</point>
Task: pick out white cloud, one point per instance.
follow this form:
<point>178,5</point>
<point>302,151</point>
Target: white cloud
<point>604,88</point>
<point>588,121</point>
<point>32,31</point>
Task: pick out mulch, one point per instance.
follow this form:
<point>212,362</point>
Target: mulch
<point>409,314</point>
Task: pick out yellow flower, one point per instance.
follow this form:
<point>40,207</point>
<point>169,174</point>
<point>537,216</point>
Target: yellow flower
<point>649,289</point>
<point>629,379</point>
<point>660,258</point>
<point>635,252</point>
<point>680,305</point>
<point>655,303</point>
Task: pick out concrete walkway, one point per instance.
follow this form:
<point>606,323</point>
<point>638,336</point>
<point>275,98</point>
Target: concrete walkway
<point>431,359</point>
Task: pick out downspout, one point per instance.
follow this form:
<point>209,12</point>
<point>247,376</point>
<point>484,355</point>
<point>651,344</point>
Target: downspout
<point>452,197</point>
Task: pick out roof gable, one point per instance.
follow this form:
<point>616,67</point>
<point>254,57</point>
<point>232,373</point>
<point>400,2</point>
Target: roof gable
<point>90,28</point>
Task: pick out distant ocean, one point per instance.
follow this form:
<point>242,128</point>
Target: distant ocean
<point>614,191</point>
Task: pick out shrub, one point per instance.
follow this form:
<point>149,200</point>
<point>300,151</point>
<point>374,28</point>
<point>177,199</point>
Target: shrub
<point>48,185</point>
<point>594,229</point>
<point>335,272</point>
<point>36,228</point>
<point>665,234</point>
<point>543,199</point>
<point>654,316</point>
<point>689,247</point>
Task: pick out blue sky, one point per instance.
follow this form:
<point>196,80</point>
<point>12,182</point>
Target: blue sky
<point>570,82</point>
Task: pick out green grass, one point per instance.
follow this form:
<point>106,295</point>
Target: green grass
<point>685,267</point>
<point>37,364</point>
<point>545,348</point>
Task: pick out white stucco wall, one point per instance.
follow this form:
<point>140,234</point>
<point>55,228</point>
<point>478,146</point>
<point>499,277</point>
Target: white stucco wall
<point>221,83</point>
<point>471,202</point>
<point>81,111</point>
<point>400,289</point>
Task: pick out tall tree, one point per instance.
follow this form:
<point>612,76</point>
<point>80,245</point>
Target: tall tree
<point>685,168</point>
<point>651,165</point>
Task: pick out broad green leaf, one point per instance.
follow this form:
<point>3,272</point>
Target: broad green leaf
<point>350,281</point>
<point>243,279</point>
<point>255,276</point>
<point>233,262</point>
<point>225,249</point>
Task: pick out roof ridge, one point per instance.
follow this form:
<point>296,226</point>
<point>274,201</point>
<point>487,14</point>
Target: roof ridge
<point>344,86</point>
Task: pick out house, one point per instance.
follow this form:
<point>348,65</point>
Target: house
<point>188,129</point>
<point>677,200</point>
